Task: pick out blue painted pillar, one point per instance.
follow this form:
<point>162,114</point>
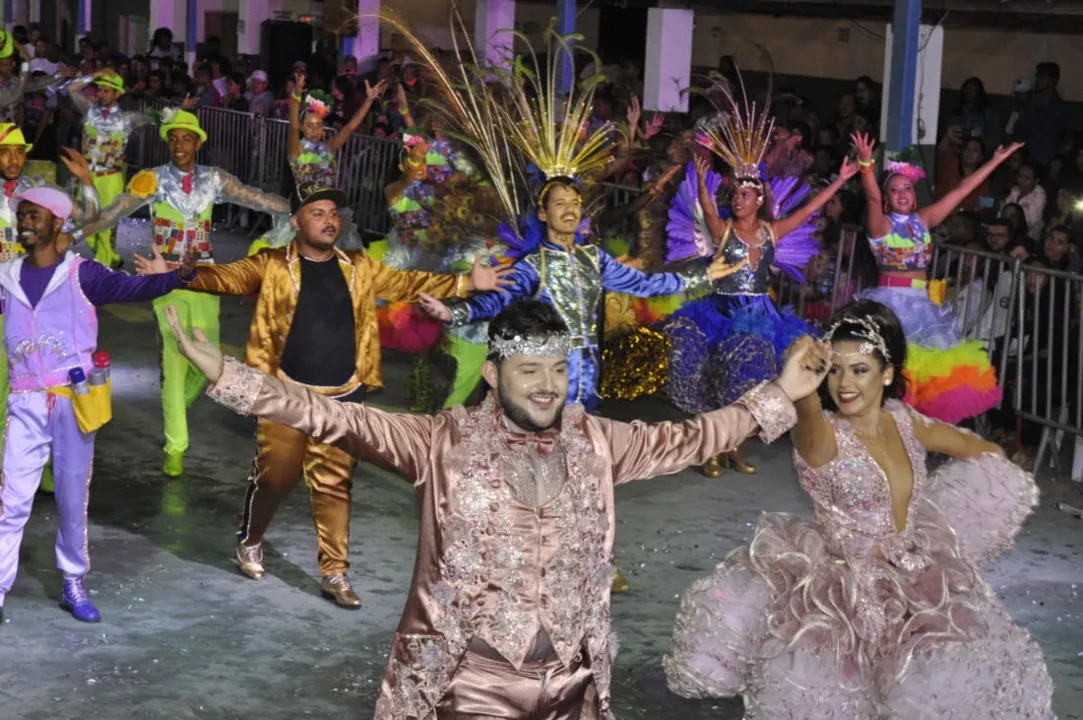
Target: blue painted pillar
<point>566,26</point>
<point>905,29</point>
<point>9,18</point>
<point>190,35</point>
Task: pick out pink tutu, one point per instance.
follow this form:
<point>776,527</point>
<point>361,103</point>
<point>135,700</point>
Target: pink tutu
<point>803,629</point>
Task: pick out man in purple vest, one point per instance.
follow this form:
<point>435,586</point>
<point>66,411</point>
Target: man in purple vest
<point>49,298</point>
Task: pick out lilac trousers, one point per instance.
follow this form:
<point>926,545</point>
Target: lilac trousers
<point>37,423</point>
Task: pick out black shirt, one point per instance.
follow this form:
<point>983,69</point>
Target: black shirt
<point>321,348</point>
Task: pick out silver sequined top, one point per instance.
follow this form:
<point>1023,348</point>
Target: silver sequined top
<point>751,279</point>
<point>102,127</point>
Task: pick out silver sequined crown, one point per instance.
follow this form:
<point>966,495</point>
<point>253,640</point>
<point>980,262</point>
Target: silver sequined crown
<point>872,341</point>
<point>551,345</point>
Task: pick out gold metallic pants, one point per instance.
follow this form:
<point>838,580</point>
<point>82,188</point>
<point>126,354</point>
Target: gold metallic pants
<point>283,454</point>
<point>485,689</point>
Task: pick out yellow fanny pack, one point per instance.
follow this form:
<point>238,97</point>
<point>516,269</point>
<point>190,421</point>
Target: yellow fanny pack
<point>93,409</point>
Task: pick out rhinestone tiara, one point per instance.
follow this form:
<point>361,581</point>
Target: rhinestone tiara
<point>551,345</point>
<point>872,343</point>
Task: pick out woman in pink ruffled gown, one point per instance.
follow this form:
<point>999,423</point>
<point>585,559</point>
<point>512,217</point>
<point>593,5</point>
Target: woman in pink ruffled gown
<point>877,609</point>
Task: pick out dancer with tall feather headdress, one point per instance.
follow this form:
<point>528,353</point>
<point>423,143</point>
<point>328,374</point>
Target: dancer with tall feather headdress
<point>540,156</point>
<point>734,338</point>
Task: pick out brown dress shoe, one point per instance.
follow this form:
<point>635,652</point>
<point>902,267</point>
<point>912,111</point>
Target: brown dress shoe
<point>337,588</point>
<point>249,559</point>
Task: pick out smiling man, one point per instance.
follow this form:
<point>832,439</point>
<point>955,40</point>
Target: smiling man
<point>508,612</point>
<point>315,325</point>
<point>182,196</point>
<point>49,298</point>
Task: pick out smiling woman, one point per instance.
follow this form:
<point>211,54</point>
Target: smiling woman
<point>877,607</point>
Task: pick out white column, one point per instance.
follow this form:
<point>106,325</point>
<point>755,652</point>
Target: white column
<point>366,46</point>
<point>250,17</point>
<point>20,13</point>
<point>168,14</point>
<point>926,106</point>
<point>668,60</point>
<point>491,17</point>
<point>35,11</point>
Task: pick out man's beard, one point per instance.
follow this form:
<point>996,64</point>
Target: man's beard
<point>520,416</point>
<point>320,241</point>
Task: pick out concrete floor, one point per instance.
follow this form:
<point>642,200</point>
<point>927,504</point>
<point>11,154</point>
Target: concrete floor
<point>184,635</point>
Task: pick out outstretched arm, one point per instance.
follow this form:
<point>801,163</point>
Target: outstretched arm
<point>232,190</point>
<point>950,440</point>
<point>813,437</point>
<point>618,277</point>
<point>103,286</point>
<point>343,135</point>
<point>77,92</point>
<point>715,224</point>
<point>876,222</point>
<point>785,226</point>
<point>293,137</point>
<point>939,211</point>
<point>121,208</point>
<point>400,440</point>
<point>243,277</point>
<point>642,451</point>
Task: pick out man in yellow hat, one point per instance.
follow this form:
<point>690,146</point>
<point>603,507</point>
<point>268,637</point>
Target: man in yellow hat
<point>13,151</point>
<point>15,80</point>
<point>181,196</point>
<point>106,131</point>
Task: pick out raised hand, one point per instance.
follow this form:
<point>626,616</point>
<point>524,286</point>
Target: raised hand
<point>804,368</point>
<point>1002,153</point>
<point>702,166</point>
<point>155,264</point>
<point>489,278</point>
<point>864,146</point>
<point>202,353</point>
<point>434,307</point>
<point>76,165</point>
<point>189,103</point>
<point>373,93</point>
<point>654,126</point>
<point>848,169</point>
<point>634,113</point>
<point>720,268</point>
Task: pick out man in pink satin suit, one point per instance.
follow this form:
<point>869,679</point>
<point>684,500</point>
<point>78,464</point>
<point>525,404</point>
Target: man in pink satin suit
<point>508,611</point>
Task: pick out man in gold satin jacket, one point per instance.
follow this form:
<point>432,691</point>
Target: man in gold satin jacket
<point>315,325</point>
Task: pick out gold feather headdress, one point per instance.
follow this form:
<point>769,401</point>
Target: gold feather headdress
<point>515,118</point>
<point>739,134</point>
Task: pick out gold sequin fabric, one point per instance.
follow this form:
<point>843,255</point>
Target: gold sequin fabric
<point>809,621</point>
<point>635,364</point>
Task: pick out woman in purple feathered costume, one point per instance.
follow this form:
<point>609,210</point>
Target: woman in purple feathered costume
<point>733,339</point>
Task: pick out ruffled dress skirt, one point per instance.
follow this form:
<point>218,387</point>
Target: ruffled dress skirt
<point>949,378</point>
<point>721,346</point>
<point>803,634</point>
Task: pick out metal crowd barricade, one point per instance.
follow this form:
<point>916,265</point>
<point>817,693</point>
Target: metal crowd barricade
<point>1048,370</point>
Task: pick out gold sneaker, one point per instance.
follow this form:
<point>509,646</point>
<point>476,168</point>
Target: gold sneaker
<point>337,588</point>
<point>249,559</point>
<point>620,583</point>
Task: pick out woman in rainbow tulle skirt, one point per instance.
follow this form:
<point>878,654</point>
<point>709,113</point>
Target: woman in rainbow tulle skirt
<point>950,378</point>
<point>877,608</point>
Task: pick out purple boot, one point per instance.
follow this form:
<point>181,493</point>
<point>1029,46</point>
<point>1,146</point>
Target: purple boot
<point>78,603</point>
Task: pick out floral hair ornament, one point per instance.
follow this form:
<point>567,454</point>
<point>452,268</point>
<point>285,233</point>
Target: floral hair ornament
<point>318,103</point>
<point>550,345</point>
<point>905,164</point>
<point>872,342</point>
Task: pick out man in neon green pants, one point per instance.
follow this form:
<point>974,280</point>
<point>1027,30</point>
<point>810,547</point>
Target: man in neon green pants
<point>106,130</point>
<point>182,196</point>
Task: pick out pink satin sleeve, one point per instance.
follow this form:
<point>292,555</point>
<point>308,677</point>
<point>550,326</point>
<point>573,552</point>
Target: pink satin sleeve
<point>641,450</point>
<point>395,439</point>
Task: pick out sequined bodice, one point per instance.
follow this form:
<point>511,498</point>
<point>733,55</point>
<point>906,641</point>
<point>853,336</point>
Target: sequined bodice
<point>852,496</point>
<point>752,279</point>
<point>908,246</point>
<point>316,163</point>
<point>573,281</point>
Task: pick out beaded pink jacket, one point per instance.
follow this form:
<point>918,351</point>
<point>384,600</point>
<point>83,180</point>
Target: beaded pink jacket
<point>489,567</point>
